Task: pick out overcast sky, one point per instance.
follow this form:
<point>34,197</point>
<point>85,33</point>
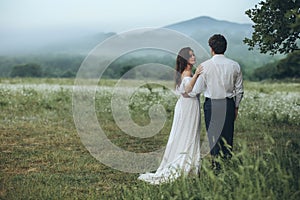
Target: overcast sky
<point>36,22</point>
<point>115,15</point>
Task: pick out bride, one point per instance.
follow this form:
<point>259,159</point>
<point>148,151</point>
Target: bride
<point>182,153</point>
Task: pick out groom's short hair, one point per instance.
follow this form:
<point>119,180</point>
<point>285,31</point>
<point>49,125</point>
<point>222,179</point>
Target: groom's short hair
<point>218,43</point>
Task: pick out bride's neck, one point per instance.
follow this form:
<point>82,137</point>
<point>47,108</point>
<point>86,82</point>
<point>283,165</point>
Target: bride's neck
<point>189,67</point>
<point>187,72</point>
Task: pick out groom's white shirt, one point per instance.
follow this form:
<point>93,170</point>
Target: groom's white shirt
<point>221,78</point>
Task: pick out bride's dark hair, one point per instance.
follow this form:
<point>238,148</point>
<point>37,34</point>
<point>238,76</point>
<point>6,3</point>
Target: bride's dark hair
<point>181,63</point>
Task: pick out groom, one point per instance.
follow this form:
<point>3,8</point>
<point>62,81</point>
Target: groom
<point>222,85</point>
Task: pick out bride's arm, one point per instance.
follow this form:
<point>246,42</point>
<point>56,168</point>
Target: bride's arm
<point>189,87</point>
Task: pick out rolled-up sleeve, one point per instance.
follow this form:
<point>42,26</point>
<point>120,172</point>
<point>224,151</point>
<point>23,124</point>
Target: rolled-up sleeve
<point>239,89</point>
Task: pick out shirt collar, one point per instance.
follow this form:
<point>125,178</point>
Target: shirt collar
<point>218,55</point>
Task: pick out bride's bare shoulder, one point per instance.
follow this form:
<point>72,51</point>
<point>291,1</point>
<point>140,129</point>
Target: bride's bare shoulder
<point>185,74</point>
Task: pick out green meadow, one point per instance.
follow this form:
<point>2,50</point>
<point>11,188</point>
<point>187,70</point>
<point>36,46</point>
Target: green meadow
<point>42,156</point>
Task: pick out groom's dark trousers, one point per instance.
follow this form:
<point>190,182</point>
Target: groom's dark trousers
<point>221,130</point>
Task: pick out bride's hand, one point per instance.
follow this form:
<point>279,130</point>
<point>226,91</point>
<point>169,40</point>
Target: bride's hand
<point>199,70</point>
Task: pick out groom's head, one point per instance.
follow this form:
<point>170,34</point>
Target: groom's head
<point>217,43</point>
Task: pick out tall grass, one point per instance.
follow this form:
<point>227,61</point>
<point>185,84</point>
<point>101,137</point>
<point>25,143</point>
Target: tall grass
<point>42,156</point>
<point>263,175</point>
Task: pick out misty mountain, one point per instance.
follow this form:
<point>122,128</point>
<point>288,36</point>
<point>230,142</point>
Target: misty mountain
<point>200,29</point>
<point>66,41</point>
<point>80,45</point>
<point>208,25</point>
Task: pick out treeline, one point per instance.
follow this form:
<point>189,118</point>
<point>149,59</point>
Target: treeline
<point>60,65</point>
<point>66,65</point>
<point>288,67</point>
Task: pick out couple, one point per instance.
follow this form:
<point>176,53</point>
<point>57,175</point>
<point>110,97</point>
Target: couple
<point>220,81</point>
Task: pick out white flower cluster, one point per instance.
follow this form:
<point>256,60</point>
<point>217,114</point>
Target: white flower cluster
<point>261,106</point>
<point>277,107</point>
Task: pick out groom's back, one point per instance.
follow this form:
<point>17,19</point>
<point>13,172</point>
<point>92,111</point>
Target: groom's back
<point>220,74</point>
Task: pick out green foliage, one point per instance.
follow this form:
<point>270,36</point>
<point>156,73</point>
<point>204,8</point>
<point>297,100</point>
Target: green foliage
<point>53,65</point>
<point>26,70</point>
<point>42,156</point>
<point>276,27</point>
<point>265,175</point>
<point>68,74</point>
<point>265,72</point>
<point>66,66</point>
<point>127,62</point>
<point>288,67</point>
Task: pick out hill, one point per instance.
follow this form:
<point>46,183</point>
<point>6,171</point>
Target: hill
<point>200,29</point>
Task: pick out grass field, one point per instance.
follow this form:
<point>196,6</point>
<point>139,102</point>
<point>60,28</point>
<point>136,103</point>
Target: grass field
<point>42,156</point>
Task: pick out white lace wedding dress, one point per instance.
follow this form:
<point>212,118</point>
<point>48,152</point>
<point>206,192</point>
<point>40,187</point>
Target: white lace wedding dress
<point>182,153</point>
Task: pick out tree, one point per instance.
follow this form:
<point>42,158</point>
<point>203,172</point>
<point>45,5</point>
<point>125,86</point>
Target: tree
<point>26,70</point>
<point>276,26</point>
<point>265,72</point>
<point>288,67</point>
<point>285,68</point>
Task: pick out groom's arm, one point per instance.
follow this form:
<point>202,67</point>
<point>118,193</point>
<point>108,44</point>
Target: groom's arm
<point>239,90</point>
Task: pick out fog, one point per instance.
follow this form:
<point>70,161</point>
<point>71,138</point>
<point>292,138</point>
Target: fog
<point>31,41</point>
<point>29,25</point>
